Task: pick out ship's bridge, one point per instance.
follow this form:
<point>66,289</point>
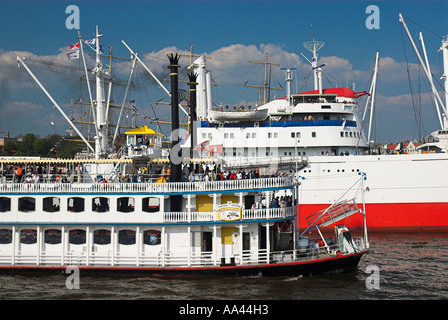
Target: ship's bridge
<point>143,142</point>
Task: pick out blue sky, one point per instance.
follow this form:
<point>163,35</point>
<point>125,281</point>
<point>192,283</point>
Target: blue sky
<point>232,33</point>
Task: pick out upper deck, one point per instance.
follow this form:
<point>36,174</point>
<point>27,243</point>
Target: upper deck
<point>164,188</point>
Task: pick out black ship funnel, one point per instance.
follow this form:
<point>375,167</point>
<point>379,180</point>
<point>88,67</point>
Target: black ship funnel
<point>175,154</point>
<point>192,77</point>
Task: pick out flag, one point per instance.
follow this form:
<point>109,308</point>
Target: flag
<point>101,49</point>
<point>92,41</point>
<point>314,62</point>
<point>73,55</point>
<point>74,46</point>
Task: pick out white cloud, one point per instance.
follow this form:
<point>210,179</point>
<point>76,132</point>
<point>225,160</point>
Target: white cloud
<point>230,67</point>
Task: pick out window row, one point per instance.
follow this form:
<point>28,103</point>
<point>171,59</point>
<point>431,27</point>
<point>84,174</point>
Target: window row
<point>253,135</point>
<point>78,236</point>
<point>347,134</point>
<point>77,204</point>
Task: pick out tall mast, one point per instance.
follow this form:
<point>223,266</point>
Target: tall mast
<point>373,90</point>
<point>81,47</point>
<point>265,86</point>
<point>101,123</point>
<point>429,70</point>
<point>428,75</point>
<point>314,47</point>
<point>444,49</point>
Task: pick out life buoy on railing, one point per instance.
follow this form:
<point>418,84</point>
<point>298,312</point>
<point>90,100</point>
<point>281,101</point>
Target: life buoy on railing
<point>338,253</point>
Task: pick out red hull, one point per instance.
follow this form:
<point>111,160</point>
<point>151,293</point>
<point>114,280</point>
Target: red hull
<point>389,215</point>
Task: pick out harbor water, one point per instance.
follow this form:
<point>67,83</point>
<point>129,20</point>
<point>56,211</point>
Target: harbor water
<point>399,266</point>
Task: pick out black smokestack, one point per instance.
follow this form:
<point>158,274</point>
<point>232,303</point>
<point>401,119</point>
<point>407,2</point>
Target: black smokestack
<point>192,76</point>
<point>175,153</point>
<point>176,167</point>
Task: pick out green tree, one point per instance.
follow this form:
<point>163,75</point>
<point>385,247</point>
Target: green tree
<point>41,147</point>
<point>25,146</point>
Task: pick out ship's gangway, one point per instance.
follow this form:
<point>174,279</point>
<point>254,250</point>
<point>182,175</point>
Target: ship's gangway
<point>332,214</point>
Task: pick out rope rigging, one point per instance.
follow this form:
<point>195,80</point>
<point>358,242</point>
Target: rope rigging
<point>414,107</point>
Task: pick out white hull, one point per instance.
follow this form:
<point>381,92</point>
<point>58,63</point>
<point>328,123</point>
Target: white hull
<point>401,190</point>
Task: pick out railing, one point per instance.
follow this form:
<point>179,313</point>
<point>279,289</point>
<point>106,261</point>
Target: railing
<point>247,214</point>
<point>333,212</point>
<point>168,187</point>
<point>146,217</point>
<point>244,162</point>
<point>169,259</point>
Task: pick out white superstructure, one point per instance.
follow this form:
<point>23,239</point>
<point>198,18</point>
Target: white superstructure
<point>322,136</point>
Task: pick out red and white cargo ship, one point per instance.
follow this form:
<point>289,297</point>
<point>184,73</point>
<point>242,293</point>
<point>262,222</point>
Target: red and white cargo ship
<point>323,136</point>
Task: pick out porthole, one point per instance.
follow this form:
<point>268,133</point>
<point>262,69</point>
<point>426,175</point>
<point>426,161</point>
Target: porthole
<point>5,204</point>
<point>152,237</point>
<point>101,236</point>
<point>75,204</point>
<point>126,237</point>
<point>150,204</point>
<point>28,236</point>
<point>27,204</point>
<point>5,236</point>
<point>100,204</point>
<point>77,236</point>
<point>52,236</point>
<point>51,204</point>
<point>125,204</point>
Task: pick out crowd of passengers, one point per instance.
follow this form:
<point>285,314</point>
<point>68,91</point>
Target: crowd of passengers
<point>37,173</point>
<point>60,174</point>
<point>189,176</point>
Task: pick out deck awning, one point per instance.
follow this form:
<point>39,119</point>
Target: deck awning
<point>143,130</point>
<point>60,161</point>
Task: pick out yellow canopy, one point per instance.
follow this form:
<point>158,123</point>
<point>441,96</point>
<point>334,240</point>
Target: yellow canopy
<point>141,130</point>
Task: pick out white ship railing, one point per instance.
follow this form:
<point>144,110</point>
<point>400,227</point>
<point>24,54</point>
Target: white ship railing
<point>167,187</point>
<point>168,259</point>
<point>247,214</point>
<point>251,162</point>
<point>152,217</point>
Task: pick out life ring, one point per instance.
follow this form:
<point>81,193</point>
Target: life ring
<point>338,253</point>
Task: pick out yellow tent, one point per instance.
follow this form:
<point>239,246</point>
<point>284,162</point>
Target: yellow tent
<point>141,130</point>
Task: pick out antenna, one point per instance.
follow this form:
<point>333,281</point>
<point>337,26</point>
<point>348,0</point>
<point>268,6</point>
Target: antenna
<point>288,82</point>
<point>314,46</point>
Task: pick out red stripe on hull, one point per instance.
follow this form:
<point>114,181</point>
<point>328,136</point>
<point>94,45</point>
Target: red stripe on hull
<point>389,215</point>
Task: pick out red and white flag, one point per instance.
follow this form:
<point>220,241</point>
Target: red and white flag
<point>74,46</point>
